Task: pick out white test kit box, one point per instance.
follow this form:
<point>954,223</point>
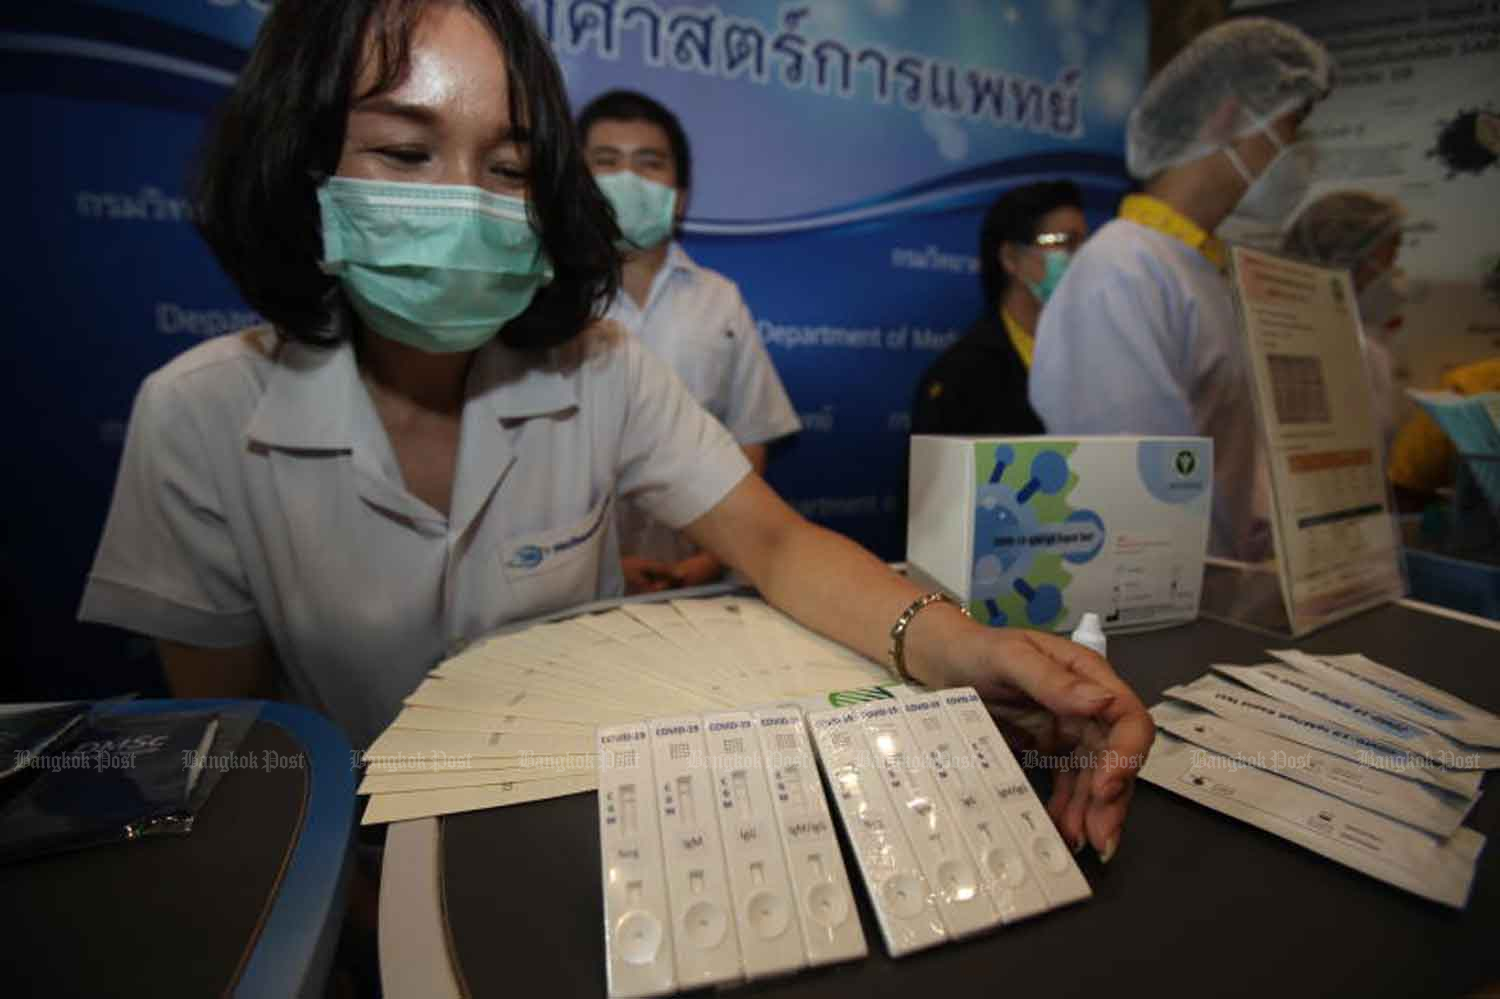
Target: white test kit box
<point>1036,531</point>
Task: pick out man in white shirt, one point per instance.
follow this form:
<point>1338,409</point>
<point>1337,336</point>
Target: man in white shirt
<point>691,317</point>
<point>1140,336</point>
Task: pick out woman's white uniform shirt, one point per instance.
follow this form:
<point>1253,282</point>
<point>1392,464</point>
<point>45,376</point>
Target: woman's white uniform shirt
<point>1140,338</point>
<point>259,499</point>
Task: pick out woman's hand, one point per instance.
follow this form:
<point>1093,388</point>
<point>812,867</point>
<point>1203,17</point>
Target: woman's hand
<point>698,570</point>
<point>1066,703</point>
<point>644,575</point>
<point>1063,697</point>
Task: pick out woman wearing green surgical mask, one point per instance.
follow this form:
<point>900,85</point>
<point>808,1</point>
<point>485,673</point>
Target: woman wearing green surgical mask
<point>978,386</point>
<point>425,439</point>
<point>395,186</point>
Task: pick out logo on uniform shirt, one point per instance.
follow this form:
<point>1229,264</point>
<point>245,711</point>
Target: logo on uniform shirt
<point>531,556</point>
<point>527,557</point>
<point>1186,462</point>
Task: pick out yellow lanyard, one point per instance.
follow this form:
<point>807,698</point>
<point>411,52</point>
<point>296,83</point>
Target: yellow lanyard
<point>1025,343</point>
<point>1157,214</point>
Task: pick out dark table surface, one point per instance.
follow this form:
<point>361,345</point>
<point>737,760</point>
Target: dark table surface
<point>168,916</point>
<point>250,901</point>
<point>1195,902</point>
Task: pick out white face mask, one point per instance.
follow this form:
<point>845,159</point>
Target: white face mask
<point>1382,299</point>
<point>1281,185</point>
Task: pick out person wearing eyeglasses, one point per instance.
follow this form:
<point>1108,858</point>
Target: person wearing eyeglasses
<point>978,385</point>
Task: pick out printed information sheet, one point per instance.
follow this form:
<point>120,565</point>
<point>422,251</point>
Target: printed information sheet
<point>1335,543</point>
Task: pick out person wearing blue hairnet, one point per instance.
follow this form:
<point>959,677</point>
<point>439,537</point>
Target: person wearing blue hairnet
<point>1140,336</point>
<point>1360,231</point>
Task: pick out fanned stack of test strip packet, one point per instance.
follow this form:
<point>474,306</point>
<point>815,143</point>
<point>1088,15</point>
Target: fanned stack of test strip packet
<point>511,719</point>
<point>1339,754</point>
<point>702,723</point>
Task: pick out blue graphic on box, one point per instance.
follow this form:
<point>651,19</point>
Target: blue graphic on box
<point>1025,532</point>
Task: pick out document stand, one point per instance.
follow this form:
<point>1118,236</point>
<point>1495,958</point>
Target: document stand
<point>1334,542</point>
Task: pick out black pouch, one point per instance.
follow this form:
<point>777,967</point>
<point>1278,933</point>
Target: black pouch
<point>121,778</point>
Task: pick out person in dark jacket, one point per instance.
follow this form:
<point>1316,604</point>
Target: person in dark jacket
<point>978,386</point>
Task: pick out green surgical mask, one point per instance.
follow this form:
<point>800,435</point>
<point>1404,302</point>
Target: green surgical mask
<point>439,267</point>
<point>1057,264</point>
<point>644,209</point>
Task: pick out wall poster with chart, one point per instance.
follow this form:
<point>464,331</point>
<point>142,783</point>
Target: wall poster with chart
<point>1335,541</point>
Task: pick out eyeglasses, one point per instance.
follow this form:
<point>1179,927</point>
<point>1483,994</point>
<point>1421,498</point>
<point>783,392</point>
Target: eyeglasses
<point>1069,241</point>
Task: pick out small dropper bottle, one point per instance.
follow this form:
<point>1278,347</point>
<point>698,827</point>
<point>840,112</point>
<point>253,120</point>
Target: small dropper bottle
<point>1090,633</point>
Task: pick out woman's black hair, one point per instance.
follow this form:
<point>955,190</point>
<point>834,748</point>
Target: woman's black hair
<point>1014,218</point>
<point>282,129</point>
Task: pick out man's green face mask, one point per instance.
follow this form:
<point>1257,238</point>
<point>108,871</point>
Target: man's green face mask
<point>644,209</point>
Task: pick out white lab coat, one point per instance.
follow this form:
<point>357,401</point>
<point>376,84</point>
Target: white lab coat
<point>259,499</point>
<point>1140,338</point>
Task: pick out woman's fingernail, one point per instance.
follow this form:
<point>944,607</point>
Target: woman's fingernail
<point>1110,846</point>
<point>1079,845</point>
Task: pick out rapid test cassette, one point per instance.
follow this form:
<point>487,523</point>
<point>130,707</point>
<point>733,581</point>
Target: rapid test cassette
<point>638,946</point>
<point>704,940</point>
<point>825,902</point>
<point>1040,846</point>
<point>719,857</point>
<point>977,813</point>
<point>946,831</point>
<point>765,903</point>
<point>905,905</point>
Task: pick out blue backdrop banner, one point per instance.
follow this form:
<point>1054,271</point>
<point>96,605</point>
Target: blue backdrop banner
<point>844,151</point>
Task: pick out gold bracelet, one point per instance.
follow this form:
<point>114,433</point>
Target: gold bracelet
<point>898,630</point>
